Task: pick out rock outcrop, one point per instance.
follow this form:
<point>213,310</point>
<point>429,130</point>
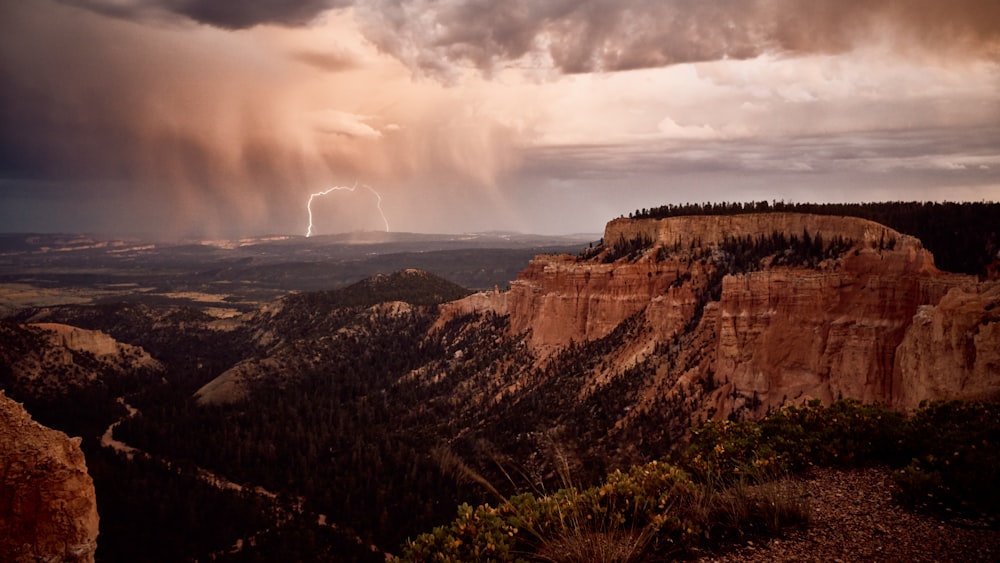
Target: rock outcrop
<point>48,509</point>
<point>53,358</point>
<point>951,347</point>
<point>708,230</point>
<point>118,355</point>
<point>797,334</point>
<point>874,321</point>
<point>92,341</point>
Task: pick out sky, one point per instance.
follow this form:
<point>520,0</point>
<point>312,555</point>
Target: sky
<point>203,118</point>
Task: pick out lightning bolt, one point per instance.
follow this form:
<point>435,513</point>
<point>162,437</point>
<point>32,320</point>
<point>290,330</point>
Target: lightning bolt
<point>378,203</point>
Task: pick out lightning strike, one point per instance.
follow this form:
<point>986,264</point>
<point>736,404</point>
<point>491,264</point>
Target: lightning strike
<point>378,203</point>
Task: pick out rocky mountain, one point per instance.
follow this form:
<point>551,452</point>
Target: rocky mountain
<point>48,509</point>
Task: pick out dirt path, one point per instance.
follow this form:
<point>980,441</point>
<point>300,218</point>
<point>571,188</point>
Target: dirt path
<point>108,438</point>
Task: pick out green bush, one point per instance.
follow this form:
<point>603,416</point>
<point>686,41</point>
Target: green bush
<point>477,534</point>
<point>946,454</point>
<point>733,481</point>
<point>846,433</point>
<point>954,459</point>
<point>655,508</point>
<point>614,521</point>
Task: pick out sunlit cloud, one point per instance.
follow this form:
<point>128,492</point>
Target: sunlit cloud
<point>182,117</point>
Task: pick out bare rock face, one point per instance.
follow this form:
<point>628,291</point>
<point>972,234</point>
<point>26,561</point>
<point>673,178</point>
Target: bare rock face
<point>561,299</point>
<point>704,230</point>
<point>789,335</point>
<point>48,508</point>
<point>118,355</point>
<point>92,341</point>
<point>952,349</point>
<point>876,322</point>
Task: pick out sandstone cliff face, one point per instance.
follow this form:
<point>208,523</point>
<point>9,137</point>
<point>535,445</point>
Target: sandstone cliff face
<point>73,338</point>
<point>872,323</point>
<point>121,356</point>
<point>952,349</point>
<point>561,299</point>
<point>48,509</point>
<point>795,334</point>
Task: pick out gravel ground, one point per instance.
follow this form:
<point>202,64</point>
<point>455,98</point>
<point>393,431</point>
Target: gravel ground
<point>853,518</point>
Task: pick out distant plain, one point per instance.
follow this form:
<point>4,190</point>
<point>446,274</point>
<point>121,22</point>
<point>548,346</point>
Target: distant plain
<point>227,277</point>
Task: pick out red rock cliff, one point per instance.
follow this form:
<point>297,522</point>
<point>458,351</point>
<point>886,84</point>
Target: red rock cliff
<point>872,323</point>
<point>791,334</point>
<point>48,508</point>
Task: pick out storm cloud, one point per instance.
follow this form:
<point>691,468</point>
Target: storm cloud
<point>578,36</point>
<point>225,14</point>
<point>219,118</point>
<point>611,35</point>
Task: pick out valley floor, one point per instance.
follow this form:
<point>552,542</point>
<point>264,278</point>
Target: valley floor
<point>853,518</point>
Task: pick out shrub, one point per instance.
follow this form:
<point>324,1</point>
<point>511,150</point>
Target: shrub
<point>946,453</point>
<point>846,433</point>
<point>955,459</point>
<point>652,508</point>
<point>614,521</point>
<point>733,481</point>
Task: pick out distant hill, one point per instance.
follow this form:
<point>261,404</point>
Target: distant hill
<point>412,286</point>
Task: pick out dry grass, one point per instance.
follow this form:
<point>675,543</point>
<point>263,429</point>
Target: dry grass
<point>755,504</point>
<point>577,545</point>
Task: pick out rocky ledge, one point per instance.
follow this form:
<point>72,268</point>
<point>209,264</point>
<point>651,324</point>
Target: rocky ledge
<point>48,508</point>
<point>868,316</point>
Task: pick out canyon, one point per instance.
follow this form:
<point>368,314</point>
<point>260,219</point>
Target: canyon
<point>350,398</point>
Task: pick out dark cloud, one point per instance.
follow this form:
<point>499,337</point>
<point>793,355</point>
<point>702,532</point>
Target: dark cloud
<point>598,182</point>
<point>248,13</point>
<point>200,128</point>
<point>610,35</point>
<point>227,14</point>
<point>926,156</point>
<point>189,128</point>
<point>88,103</point>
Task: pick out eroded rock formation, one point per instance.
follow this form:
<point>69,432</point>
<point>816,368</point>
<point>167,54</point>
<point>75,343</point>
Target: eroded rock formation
<point>48,509</point>
<point>954,345</point>
<point>875,321</point>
